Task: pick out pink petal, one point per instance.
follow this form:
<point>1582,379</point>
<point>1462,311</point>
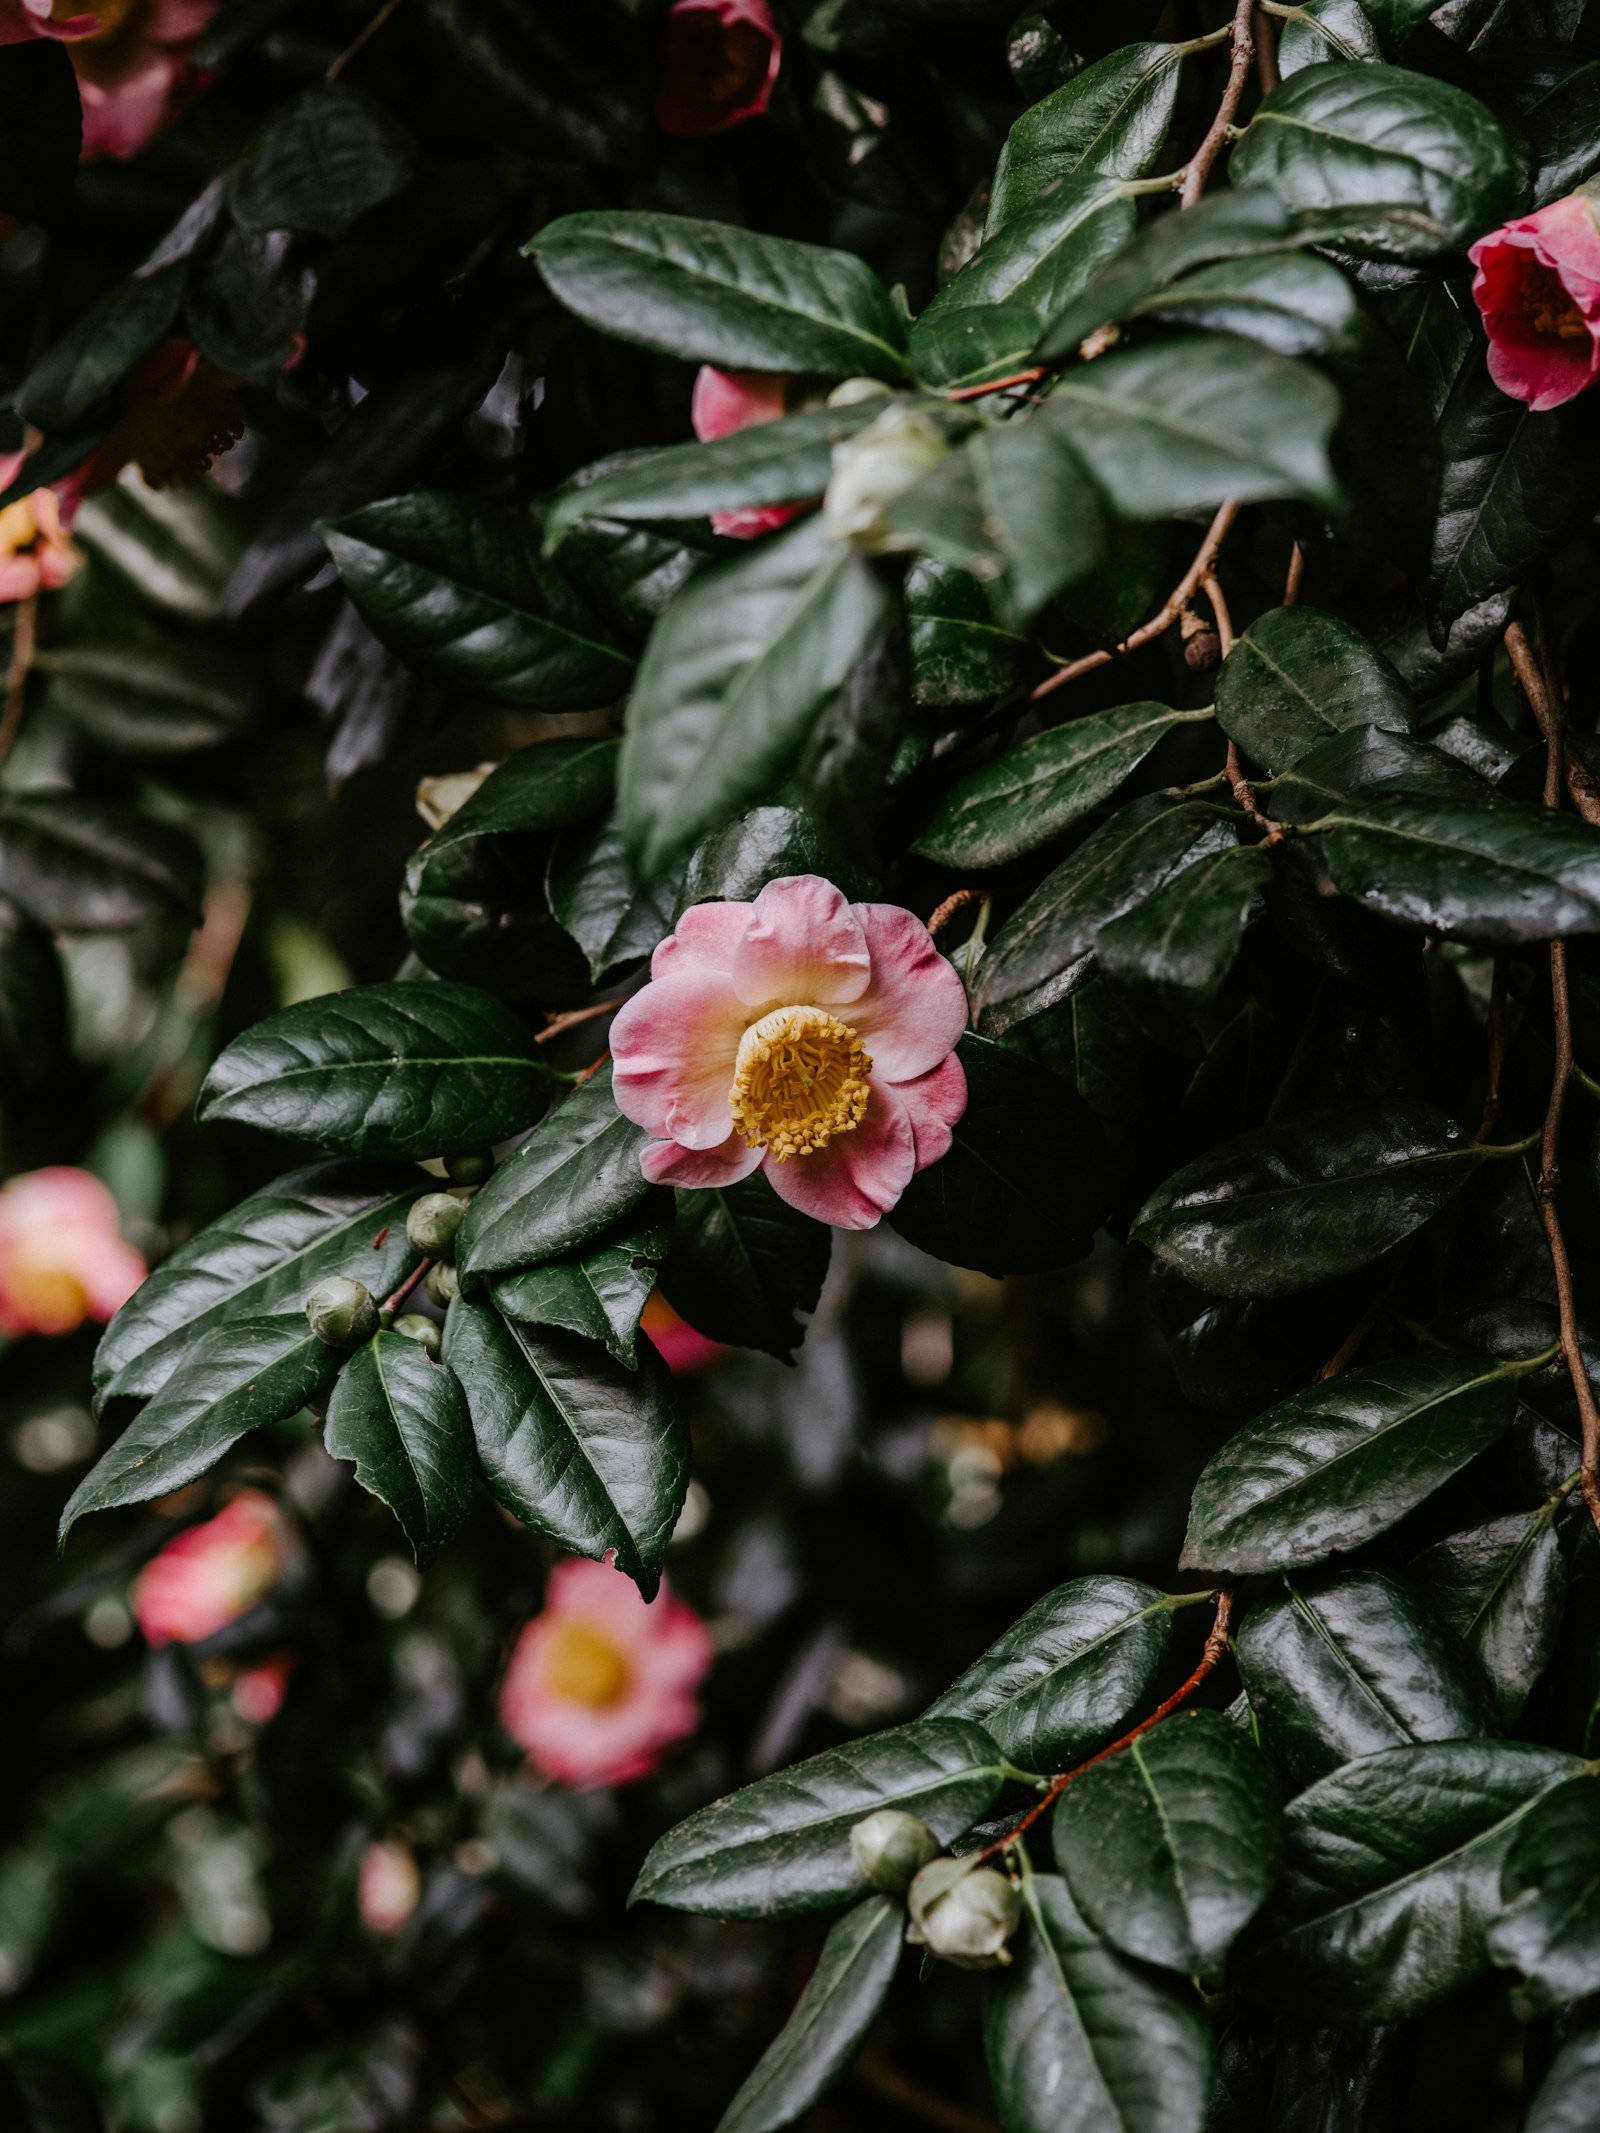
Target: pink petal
<point>914,1009</point>
<point>665,1163</point>
<point>803,946</point>
<point>857,1178</point>
<point>707,937</point>
<point>673,1050</point>
<point>750,521</point>
<point>57,1196</point>
<point>110,1272</point>
<point>934,1102</point>
<point>727,400</point>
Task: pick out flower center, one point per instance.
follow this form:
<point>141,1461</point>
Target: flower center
<point>800,1078</point>
<point>583,1666</point>
<point>109,14</point>
<point>1548,305</point>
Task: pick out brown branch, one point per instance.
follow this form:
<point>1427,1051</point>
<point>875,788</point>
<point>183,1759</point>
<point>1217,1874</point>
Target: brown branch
<point>1267,73</point>
<point>1216,1645</point>
<point>24,640</point>
<point>570,1018</point>
<point>1546,708</point>
<point>360,43</point>
<point>1176,604</point>
<point>1000,385</point>
<point>1297,570</point>
<point>1199,170</point>
<point>393,1303</point>
<point>952,904</point>
<point>1497,1049</point>
<point>1351,1346</point>
<point>897,2088</point>
<point>590,1071</point>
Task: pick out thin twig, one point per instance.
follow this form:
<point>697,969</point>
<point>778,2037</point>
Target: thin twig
<point>1199,170</point>
<point>952,904</point>
<point>1219,608</point>
<point>1351,1346</point>
<point>1497,1049</point>
<point>24,641</point>
<point>1268,75</point>
<point>590,1071</point>
<point>363,40</point>
<point>1546,708</point>
<point>1176,604</point>
<point>899,2089</point>
<point>1297,570</point>
<point>1216,1645</point>
<point>570,1018</point>
<point>1000,385</point>
<point>393,1303</point>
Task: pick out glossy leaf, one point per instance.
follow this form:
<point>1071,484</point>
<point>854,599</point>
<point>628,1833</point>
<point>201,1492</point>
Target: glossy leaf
<point>594,1456</point>
<point>1297,676</point>
<point>1345,1459</point>
<point>1068,1673</point>
<point>82,866</point>
<point>594,895</point>
<point>1184,938</point>
<point>598,1291</point>
<point>1171,1846</point>
<point>1549,1930</point>
<point>783,1843</point>
<point>405,1069</point>
<point>744,1265</point>
<point>960,651</point>
<point>575,1174</point>
<point>403,1419</point>
<point>1569,2096</point>
<point>320,164</point>
<point>157,700</point>
<point>1496,870</point>
<point>1324,30</point>
<point>1110,120</point>
<point>1291,302</point>
<point>1501,1588</point>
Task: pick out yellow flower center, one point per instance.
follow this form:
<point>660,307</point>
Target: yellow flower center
<point>800,1078</point>
<point>1550,309</point>
<point>110,14</point>
<point>581,1665</point>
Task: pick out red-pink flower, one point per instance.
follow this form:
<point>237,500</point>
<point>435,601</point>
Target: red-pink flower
<point>727,400</point>
<point>600,1684</point>
<point>258,1691</point>
<point>35,554</point>
<point>802,1035</point>
<point>213,1573</point>
<point>1538,287</point>
<point>62,1258</point>
<point>718,66</point>
<point>390,1885</point>
<point>676,1342</point>
<point>131,58</point>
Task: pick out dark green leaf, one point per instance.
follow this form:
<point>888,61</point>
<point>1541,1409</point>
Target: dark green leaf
<point>240,1376</point>
<point>1292,302</point>
<point>80,866</point>
<point>259,1261</point>
<point>1501,1588</point>
<point>1079,2039</point>
<point>960,652</point>
<point>1381,159</point>
<point>1342,1666</point>
<point>407,1069</point>
<point>1392,1876</point>
<point>403,1420</point>
<point>154,700</point>
<point>594,1456</point>
<point>1569,2096</point>
<point>1111,119</point>
<point>1324,30</point>
<point>1565,128</point>
<point>1025,1183</point>
<point>1171,1846</point>
<point>736,862</point>
<point>575,1174</point>
<point>1328,1468</point>
<point>460,590</point>
<point>77,372</point>
<point>744,1264</point>
<point>783,1844</point>
<point>595,897</point>
<point>1068,1673</point>
<point>1286,1206</point>
<point>1295,677</point>
<point>548,786</point>
<point>830,2020</point>
<point>1488,870</point>
<point>1184,938</point>
<point>1368,761</point>
<point>34,1034</point>
<point>600,1290</point>
<point>321,163</point>
<point>710,292</point>
<point>735,674</point>
<point>1550,1885</point>
<point>41,130</point>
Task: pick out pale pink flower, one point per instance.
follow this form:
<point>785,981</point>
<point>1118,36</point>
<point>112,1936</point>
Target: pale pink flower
<point>1538,287</point>
<point>719,65</point>
<point>213,1573</point>
<point>600,1684</point>
<point>390,1885</point>
<point>62,1258</point>
<point>676,1342</point>
<point>35,554</point>
<point>727,400</point>
<point>802,1035</point>
<point>258,1691</point>
<point>131,58</point>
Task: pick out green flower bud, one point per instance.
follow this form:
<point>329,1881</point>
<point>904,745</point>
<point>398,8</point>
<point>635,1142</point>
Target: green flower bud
<point>964,1912</point>
<point>889,1846</point>
<point>870,469</point>
<point>418,1327</point>
<point>442,1282</point>
<point>854,390</point>
<point>433,1222</point>
<point>341,1312</point>
<point>469,1169</point>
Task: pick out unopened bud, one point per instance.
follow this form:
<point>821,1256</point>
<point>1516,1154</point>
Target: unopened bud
<point>854,390</point>
<point>889,1846</point>
<point>1202,651</point>
<point>469,1169</point>
<point>341,1312</point>
<point>417,1326</point>
<point>870,469</point>
<point>964,1912</point>
<point>443,1281</point>
<point>433,1221</point>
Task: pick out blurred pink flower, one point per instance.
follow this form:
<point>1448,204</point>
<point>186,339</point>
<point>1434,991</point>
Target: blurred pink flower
<point>213,1573</point>
<point>258,1691</point>
<point>719,65</point>
<point>727,400</point>
<point>1538,287</point>
<point>131,58</point>
<point>62,1258</point>
<point>390,1885</point>
<point>676,1342</point>
<point>802,1035</point>
<point>35,553</point>
<point>600,1684</point>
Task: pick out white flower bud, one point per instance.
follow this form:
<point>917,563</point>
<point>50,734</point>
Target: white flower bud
<point>342,1312</point>
<point>870,469</point>
<point>964,1912</point>
<point>889,1846</point>
<point>433,1221</point>
<point>854,390</point>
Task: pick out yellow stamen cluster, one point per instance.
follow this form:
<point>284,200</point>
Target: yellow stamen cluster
<point>1550,308</point>
<point>800,1079</point>
<point>582,1665</point>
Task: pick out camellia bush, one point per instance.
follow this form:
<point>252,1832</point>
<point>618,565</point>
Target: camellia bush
<point>800,1035</point>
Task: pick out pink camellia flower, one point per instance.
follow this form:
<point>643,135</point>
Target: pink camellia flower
<point>719,65</point>
<point>131,58</point>
<point>799,1034</point>
<point>676,1342</point>
<point>213,1573</point>
<point>600,1684</point>
<point>1538,287</point>
<point>258,1691</point>
<point>727,400</point>
<point>35,554</point>
<point>62,1258</point>
<point>390,1885</point>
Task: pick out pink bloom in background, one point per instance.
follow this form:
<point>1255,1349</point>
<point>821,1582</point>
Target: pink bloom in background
<point>727,400</point>
<point>676,1342</point>
<point>1538,287</point>
<point>600,1684</point>
<point>130,56</point>
<point>35,553</point>
<point>62,1258</point>
<point>802,1035</point>
<point>390,1885</point>
<point>258,1691</point>
<point>719,65</point>
<point>213,1573</point>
